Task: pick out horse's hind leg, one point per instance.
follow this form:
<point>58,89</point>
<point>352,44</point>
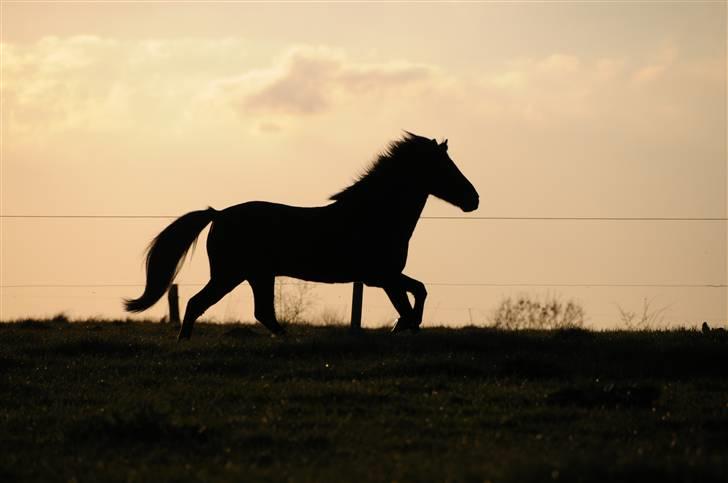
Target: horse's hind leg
<point>210,294</point>
<point>263,297</point>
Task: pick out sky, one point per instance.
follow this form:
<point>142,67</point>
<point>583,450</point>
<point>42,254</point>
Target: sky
<point>553,109</point>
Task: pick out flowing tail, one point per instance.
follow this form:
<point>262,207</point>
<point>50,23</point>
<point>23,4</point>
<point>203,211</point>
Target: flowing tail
<point>166,254</point>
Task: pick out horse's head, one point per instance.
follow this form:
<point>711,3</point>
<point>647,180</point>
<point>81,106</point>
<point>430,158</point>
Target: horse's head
<point>442,178</point>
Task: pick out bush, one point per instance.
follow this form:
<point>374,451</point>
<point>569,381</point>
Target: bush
<point>332,316</point>
<point>647,319</point>
<point>293,300</point>
<point>528,313</point>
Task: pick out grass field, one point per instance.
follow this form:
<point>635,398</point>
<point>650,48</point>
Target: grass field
<point>124,402</point>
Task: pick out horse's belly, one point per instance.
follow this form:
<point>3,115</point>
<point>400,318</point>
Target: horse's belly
<point>337,263</point>
<point>316,262</point>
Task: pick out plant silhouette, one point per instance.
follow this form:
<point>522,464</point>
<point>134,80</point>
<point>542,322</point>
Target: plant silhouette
<point>362,236</point>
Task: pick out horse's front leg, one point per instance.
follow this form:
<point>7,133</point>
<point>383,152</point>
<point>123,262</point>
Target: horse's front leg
<point>419,292</point>
<point>410,318</point>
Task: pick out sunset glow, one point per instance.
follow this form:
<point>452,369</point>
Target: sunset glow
<point>551,110</point>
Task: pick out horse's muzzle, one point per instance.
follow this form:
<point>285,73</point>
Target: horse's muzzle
<point>470,204</point>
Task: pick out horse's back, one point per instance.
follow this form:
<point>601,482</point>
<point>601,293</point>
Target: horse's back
<point>269,219</point>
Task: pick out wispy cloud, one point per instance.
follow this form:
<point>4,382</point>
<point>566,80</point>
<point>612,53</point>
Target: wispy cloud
<point>656,67</point>
<point>637,93</point>
<point>89,82</point>
<point>310,80</point>
<point>92,83</point>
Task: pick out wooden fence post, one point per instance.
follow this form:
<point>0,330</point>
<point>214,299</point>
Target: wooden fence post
<point>173,299</point>
<point>356,303</point>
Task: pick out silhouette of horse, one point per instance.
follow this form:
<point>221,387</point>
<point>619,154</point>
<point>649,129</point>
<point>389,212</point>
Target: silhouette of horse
<point>362,236</point>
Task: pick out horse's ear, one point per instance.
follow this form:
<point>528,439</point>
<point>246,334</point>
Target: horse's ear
<point>444,145</point>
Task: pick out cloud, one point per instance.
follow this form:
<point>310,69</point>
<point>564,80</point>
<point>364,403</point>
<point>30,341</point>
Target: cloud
<point>541,90</point>
<point>554,72</point>
<point>563,88</point>
<point>310,80</point>
<point>51,81</point>
<point>93,83</point>
<point>301,86</point>
<point>656,68</point>
<point>89,83</point>
<point>177,87</point>
<point>269,127</point>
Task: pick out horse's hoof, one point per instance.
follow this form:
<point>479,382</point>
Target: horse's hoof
<point>402,325</point>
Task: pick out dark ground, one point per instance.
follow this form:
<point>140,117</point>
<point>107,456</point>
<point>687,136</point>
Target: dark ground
<point>102,401</point>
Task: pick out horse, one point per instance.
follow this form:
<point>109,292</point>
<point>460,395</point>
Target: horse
<point>361,236</point>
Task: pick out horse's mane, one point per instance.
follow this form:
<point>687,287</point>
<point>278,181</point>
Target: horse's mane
<point>383,169</point>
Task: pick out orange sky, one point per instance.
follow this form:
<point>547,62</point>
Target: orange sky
<point>568,109</point>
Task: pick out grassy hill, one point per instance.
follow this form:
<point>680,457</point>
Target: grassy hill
<point>99,401</point>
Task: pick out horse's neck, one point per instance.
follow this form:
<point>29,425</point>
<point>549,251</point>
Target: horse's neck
<point>395,212</point>
<point>408,212</point>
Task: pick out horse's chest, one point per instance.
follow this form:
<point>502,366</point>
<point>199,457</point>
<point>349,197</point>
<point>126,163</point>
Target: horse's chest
<point>384,253</point>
